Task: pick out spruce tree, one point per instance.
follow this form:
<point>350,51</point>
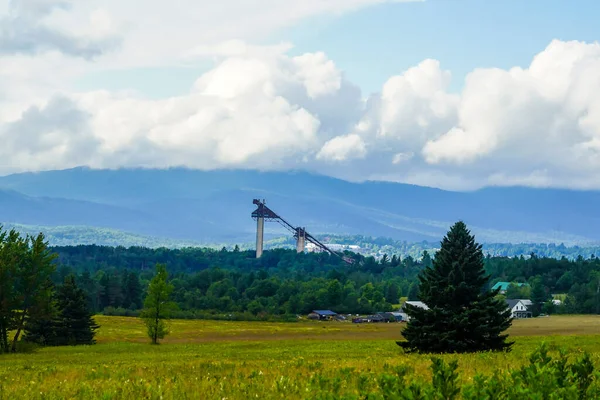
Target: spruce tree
<point>75,324</point>
<point>41,326</point>
<point>132,291</point>
<point>538,296</point>
<point>461,316</point>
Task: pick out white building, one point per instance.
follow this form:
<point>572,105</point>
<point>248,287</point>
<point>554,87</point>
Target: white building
<point>311,248</point>
<point>519,308</point>
<point>418,304</point>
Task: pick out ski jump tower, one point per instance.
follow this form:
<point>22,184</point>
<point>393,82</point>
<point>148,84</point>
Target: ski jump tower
<point>264,213</point>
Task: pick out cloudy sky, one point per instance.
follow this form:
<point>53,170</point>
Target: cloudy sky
<point>457,94</point>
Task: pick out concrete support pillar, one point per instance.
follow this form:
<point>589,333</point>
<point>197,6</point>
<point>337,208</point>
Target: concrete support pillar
<point>260,228</point>
<point>300,240</point>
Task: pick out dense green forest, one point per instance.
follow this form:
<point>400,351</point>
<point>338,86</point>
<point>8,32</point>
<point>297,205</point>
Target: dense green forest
<point>233,284</point>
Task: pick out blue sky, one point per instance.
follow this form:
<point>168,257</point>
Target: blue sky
<point>376,43</point>
<point>380,41</point>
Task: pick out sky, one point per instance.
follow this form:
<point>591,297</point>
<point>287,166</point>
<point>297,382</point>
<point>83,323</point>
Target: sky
<point>456,94</point>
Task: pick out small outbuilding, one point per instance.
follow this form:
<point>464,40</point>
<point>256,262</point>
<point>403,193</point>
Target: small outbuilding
<point>397,316</point>
<point>322,315</point>
<point>418,304</point>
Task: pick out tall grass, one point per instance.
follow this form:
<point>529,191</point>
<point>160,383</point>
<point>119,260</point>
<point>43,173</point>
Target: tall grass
<point>239,361</point>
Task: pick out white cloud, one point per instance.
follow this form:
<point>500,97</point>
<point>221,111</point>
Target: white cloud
<point>35,26</point>
<point>155,33</point>
<point>249,111</point>
<point>261,108</point>
<point>522,121</point>
<point>402,157</point>
<point>342,148</point>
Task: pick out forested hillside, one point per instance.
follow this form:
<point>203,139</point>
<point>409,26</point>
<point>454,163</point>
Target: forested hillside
<point>370,245</point>
<point>233,284</point>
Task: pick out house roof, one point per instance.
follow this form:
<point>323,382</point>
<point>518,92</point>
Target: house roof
<point>419,304</point>
<point>324,312</point>
<point>512,302</point>
<point>505,285</point>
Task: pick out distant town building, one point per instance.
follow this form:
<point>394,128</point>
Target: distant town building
<point>311,248</point>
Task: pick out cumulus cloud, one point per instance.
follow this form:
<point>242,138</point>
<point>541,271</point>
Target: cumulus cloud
<point>537,121</point>
<point>57,135</point>
<point>155,34</point>
<point>33,26</point>
<point>249,111</point>
<point>262,108</point>
<point>342,148</point>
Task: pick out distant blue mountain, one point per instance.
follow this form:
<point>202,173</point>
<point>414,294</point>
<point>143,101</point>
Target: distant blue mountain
<point>215,206</point>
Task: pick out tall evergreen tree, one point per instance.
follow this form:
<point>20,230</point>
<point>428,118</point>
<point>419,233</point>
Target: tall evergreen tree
<point>33,272</point>
<point>132,291</point>
<point>538,296</point>
<point>104,292</point>
<point>461,315</point>
<point>426,259</point>
<point>42,323</point>
<point>64,320</point>
<point>90,287</point>
<point>13,249</point>
<point>75,324</point>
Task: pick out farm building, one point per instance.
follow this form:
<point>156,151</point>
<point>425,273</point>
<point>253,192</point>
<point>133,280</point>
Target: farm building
<point>397,316</point>
<point>379,317</point>
<point>419,304</point>
<point>322,315</point>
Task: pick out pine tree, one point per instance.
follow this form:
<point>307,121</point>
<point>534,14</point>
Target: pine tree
<point>32,273</point>
<point>538,296</point>
<point>41,326</point>
<point>75,324</point>
<point>12,252</point>
<point>132,291</point>
<point>91,290</point>
<point>426,259</point>
<point>461,316</point>
<point>63,320</point>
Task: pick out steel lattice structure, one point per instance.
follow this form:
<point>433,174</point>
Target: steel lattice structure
<point>264,213</point>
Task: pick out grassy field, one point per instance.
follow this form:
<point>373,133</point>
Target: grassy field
<point>239,360</point>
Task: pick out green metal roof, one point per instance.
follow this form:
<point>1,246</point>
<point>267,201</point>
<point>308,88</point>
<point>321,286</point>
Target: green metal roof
<point>505,285</point>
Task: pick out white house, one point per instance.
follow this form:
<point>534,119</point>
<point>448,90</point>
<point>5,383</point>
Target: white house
<point>527,303</point>
<point>519,308</point>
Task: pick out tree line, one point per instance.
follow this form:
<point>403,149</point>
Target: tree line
<point>30,303</point>
<point>212,283</point>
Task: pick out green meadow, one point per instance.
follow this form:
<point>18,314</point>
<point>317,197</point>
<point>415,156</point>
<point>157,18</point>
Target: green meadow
<point>262,360</point>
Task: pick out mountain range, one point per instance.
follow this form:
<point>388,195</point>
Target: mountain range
<point>215,206</point>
